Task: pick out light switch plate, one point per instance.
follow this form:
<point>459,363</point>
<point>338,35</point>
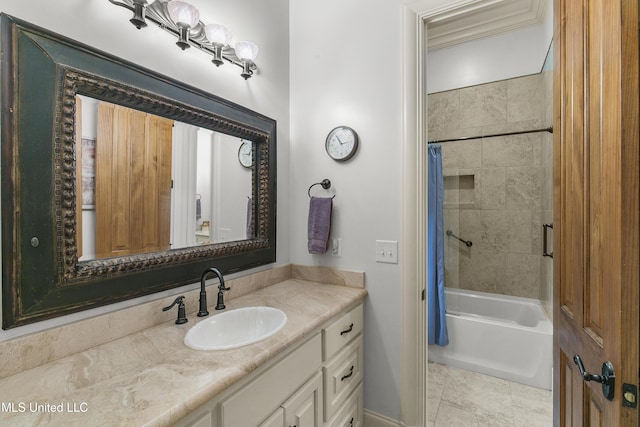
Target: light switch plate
<point>387,251</point>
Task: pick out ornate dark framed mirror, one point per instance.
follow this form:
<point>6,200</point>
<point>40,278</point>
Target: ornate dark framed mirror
<point>46,269</point>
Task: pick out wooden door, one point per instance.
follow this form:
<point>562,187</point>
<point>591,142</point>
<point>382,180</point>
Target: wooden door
<point>133,181</point>
<point>596,205</point>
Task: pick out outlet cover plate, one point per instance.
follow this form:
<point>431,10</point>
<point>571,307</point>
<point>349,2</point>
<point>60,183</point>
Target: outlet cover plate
<point>336,247</point>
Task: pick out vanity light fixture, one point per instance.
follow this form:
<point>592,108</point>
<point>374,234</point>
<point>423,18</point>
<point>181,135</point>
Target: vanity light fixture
<point>183,20</point>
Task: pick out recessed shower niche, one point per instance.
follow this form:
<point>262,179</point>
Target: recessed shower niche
<point>459,191</point>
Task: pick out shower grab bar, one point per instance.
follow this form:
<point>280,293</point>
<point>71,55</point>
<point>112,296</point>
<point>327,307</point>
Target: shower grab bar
<point>466,242</point>
<point>545,248</point>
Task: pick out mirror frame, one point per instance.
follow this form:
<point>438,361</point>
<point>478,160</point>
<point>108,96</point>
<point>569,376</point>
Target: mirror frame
<point>41,277</point>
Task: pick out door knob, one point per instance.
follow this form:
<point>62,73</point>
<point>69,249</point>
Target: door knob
<point>607,378</point>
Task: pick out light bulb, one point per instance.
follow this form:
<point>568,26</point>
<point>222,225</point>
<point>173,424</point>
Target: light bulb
<point>183,13</point>
<point>217,34</point>
<point>246,51</point>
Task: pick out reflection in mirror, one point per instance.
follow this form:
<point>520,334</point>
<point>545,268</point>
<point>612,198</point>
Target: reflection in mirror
<point>153,184</point>
<point>223,203</point>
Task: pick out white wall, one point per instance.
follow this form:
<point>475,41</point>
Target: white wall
<point>204,163</point>
<point>184,157</point>
<point>102,25</point>
<point>231,188</point>
<point>486,60</point>
<point>346,70</point>
<point>500,57</point>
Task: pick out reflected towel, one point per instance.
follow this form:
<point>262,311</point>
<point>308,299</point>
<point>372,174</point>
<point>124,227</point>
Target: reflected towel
<point>319,224</point>
<point>249,218</point>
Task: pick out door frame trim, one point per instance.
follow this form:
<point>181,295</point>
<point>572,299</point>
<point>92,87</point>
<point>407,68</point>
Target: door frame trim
<point>413,371</point>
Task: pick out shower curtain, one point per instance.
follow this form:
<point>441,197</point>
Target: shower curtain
<point>436,320</point>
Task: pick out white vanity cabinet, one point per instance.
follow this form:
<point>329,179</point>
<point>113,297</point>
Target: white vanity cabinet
<point>316,384</point>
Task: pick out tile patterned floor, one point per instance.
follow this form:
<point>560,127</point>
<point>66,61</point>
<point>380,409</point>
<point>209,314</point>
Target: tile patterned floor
<point>459,398</point>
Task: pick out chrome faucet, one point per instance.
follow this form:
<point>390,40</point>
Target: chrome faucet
<point>203,294</point>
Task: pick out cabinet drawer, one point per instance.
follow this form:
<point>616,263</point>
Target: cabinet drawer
<point>351,413</point>
<point>341,376</point>
<point>264,394</point>
<point>340,332</point>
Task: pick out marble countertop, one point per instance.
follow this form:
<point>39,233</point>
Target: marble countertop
<point>150,378</point>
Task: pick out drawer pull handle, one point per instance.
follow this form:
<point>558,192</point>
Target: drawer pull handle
<point>346,331</point>
<point>344,377</point>
<point>351,422</point>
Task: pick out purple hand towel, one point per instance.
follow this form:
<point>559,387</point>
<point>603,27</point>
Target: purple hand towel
<point>319,224</point>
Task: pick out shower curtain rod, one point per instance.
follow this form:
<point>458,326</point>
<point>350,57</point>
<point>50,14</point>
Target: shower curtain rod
<point>466,138</point>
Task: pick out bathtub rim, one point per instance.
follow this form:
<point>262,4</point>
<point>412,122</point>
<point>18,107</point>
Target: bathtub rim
<point>544,325</point>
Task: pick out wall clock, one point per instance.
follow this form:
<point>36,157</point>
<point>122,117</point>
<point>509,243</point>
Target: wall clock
<point>341,143</point>
<point>245,154</point>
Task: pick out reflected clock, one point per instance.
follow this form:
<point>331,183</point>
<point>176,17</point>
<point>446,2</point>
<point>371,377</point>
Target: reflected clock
<point>245,154</point>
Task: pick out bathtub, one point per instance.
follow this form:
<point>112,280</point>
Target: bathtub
<point>502,336</point>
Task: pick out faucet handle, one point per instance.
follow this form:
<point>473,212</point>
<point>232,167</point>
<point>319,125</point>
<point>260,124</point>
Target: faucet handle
<point>182,317</point>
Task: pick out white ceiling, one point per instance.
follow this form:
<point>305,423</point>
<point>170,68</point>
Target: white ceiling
<point>483,18</point>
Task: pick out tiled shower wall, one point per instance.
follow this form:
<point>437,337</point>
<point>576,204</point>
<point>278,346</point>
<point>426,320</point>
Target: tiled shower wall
<point>497,190</point>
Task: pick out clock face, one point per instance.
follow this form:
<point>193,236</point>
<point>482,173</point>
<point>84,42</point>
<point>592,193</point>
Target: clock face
<point>342,143</point>
<point>245,154</point>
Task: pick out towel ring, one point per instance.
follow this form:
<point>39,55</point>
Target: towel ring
<point>325,183</point>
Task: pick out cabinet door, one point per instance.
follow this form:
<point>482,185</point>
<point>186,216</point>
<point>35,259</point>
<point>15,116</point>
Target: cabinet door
<point>205,416</point>
<point>276,385</point>
<point>304,408</point>
<point>275,420</point>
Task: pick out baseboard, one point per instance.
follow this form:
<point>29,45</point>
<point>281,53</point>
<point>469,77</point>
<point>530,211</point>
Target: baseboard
<point>372,419</point>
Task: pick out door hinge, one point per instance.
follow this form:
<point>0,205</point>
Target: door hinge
<point>424,294</point>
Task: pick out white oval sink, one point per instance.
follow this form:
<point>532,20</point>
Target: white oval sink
<point>235,328</point>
